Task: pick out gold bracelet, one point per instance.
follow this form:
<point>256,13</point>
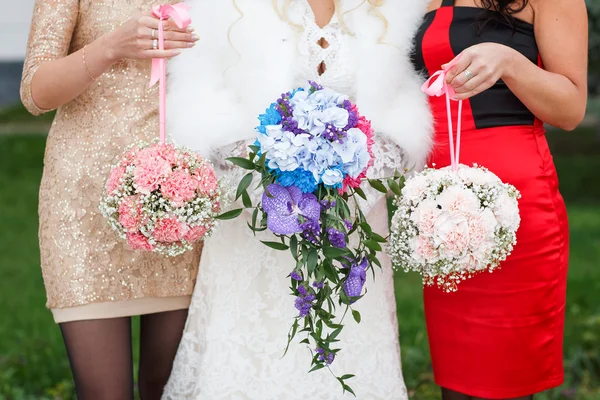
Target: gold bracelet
<point>86,67</point>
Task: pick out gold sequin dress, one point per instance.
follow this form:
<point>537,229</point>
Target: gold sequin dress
<point>90,273</point>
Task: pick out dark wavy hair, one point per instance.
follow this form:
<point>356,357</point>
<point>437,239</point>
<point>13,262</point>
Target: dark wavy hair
<point>505,9</point>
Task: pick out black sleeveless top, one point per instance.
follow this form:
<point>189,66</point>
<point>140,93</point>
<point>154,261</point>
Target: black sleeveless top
<point>462,27</point>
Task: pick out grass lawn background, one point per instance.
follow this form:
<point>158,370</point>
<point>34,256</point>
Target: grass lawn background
<point>33,363</point>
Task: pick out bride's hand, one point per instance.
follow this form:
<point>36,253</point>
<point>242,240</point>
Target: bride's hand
<point>478,68</point>
<point>135,38</point>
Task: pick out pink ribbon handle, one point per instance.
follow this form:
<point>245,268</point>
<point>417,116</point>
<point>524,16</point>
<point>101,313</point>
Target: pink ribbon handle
<point>180,14</point>
<point>436,86</point>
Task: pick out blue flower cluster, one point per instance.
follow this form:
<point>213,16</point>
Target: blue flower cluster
<point>310,137</point>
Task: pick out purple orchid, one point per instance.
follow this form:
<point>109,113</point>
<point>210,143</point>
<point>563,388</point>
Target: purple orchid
<point>287,208</point>
<point>356,279</point>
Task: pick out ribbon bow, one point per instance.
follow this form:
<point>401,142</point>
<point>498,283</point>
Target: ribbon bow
<point>180,14</point>
<point>437,86</point>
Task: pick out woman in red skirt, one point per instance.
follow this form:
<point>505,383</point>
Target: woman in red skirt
<point>522,62</point>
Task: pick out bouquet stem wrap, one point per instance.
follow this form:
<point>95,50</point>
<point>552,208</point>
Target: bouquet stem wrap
<point>180,14</point>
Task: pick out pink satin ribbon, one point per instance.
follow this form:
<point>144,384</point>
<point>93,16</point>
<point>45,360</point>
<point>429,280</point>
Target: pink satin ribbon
<point>437,86</point>
<point>180,14</point>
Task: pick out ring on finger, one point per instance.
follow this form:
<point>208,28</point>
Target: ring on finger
<point>155,44</point>
<point>153,33</point>
<point>468,74</point>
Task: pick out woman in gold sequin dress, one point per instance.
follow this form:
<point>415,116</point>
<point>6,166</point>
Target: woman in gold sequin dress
<point>91,60</point>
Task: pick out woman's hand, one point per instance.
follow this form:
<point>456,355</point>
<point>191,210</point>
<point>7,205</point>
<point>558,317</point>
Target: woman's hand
<point>135,39</point>
<point>478,68</point>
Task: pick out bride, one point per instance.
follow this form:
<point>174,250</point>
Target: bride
<point>250,51</point>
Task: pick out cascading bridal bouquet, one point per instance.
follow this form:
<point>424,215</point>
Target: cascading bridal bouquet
<point>159,197</point>
<point>312,153</point>
<point>454,222</point>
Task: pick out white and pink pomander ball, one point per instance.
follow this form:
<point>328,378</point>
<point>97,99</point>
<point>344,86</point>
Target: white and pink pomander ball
<point>451,225</point>
<point>161,198</point>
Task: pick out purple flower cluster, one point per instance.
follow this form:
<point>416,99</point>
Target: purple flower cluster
<point>348,224</point>
<point>311,231</point>
<point>334,134</point>
<point>296,276</point>
<point>303,302</point>
<point>336,238</point>
<point>285,109</point>
<point>327,204</point>
<point>352,115</point>
<point>314,86</point>
<point>324,356</point>
<point>318,285</point>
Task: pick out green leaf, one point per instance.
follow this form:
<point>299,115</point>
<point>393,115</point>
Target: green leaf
<point>366,227</point>
<point>294,246</point>
<point>254,217</point>
<point>373,245</point>
<point>243,185</point>
<point>316,368</point>
<point>347,376</point>
<point>305,341</point>
<point>334,252</point>
<point>276,245</point>
<point>394,187</point>
<point>242,162</point>
<point>377,185</point>
<point>348,389</point>
<point>230,214</point>
<point>246,201</point>
<point>333,335</point>
<point>356,316</point>
<point>360,192</point>
<point>330,272</point>
<point>262,160</point>
<point>378,238</point>
<point>312,260</point>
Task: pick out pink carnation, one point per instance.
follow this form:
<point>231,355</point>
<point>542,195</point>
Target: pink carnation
<point>137,241</point>
<point>168,152</point>
<point>207,179</point>
<point>194,234</point>
<point>151,169</point>
<point>179,187</point>
<point>169,230</point>
<point>129,213</point>
<point>114,179</point>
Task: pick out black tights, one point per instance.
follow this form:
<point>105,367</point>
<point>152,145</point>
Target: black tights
<point>451,395</point>
<point>101,356</point>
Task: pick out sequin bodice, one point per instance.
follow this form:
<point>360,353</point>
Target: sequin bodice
<point>82,259</point>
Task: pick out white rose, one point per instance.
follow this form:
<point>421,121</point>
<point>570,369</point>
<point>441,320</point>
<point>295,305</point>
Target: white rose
<point>506,211</point>
<point>425,215</point>
<point>457,199</point>
<point>452,232</point>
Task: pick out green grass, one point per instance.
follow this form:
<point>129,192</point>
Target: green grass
<point>33,363</point>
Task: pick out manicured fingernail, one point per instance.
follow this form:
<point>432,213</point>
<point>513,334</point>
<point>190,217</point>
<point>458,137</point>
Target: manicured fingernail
<point>191,44</point>
<point>195,38</point>
<point>177,52</point>
<point>190,29</point>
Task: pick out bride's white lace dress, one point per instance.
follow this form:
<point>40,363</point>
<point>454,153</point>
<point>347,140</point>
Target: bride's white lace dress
<point>241,311</point>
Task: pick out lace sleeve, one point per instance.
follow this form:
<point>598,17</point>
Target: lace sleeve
<point>49,39</point>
